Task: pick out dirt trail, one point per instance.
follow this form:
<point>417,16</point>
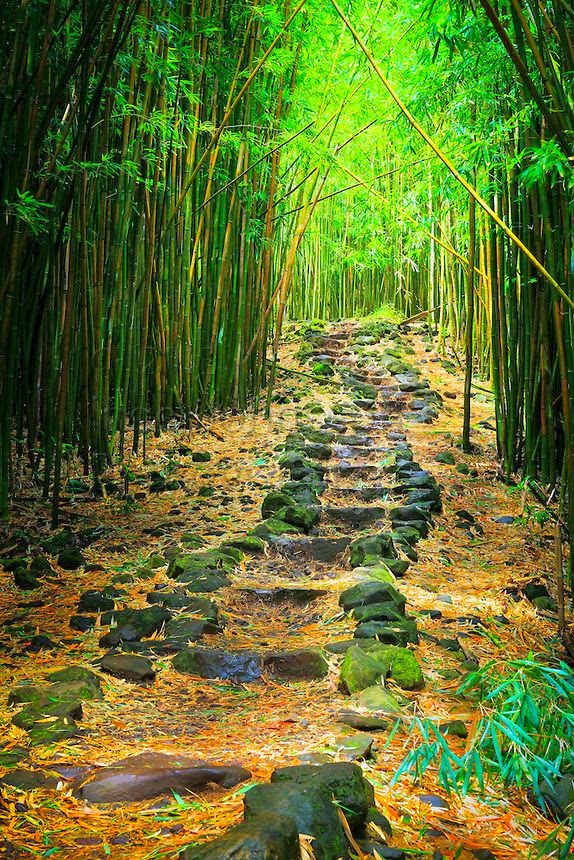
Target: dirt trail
<point>455,590</point>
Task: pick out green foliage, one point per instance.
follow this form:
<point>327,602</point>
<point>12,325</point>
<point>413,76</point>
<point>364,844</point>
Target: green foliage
<point>524,738</point>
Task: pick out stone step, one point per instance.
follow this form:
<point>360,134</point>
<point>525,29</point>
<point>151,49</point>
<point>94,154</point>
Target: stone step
<point>325,549</point>
<point>283,594</point>
<point>366,494</point>
<point>355,516</point>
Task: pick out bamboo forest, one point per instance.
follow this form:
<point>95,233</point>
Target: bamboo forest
<point>286,429</point>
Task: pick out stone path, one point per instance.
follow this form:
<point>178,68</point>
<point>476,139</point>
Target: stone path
<point>341,530</point>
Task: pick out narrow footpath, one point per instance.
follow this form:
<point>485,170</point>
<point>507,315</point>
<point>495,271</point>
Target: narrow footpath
<point>251,631</point>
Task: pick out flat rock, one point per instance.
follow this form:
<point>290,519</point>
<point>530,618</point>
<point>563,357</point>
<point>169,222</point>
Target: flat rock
<point>130,667</point>
<point>148,775</point>
<point>377,699</point>
<point>356,516</point>
<point>317,548</point>
<point>302,663</point>
<point>362,722</point>
<point>28,780</point>
<point>298,596</point>
<point>354,747</point>
<point>369,592</point>
<point>237,666</point>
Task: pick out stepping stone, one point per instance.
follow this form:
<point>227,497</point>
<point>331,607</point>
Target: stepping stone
<point>382,850</point>
<point>343,780</point>
<point>378,612</point>
<point>368,592</point>
<point>265,837</point>
<point>362,722</point>
<point>189,628</point>
<point>95,601</point>
<point>354,747</point>
<point>399,633</point>
<point>356,516</point>
<point>317,548</point>
<point>28,780</point>
<point>298,596</point>
<point>150,774</point>
<point>360,670</point>
<point>130,667</point>
<point>370,547</point>
<point>377,699</point>
<point>301,664</point>
<point>356,470</point>
<point>237,666</point>
<point>145,621</point>
<point>365,494</point>
<point>312,810</point>
<point>203,581</point>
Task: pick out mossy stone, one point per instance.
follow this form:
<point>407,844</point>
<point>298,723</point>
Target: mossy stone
<point>403,666</point>
<point>456,728</point>
<point>201,456</point>
<point>463,469</point>
<point>45,734</point>
<point>12,756</point>
<point>74,673</point>
<point>15,563</point>
<point>274,527</point>
<point>377,699</point>
<point>375,546</point>
<point>359,670</point>
<point>71,559</point>
<point>446,457</point>
<point>246,543</point>
<point>25,580</point>
<point>56,543</point>
<point>380,572</point>
<point>323,369</point>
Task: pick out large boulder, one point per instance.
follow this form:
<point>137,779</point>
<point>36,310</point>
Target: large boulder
<point>343,780</point>
<point>263,837</point>
<point>312,810</point>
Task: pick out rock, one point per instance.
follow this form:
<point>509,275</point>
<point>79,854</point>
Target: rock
<point>58,542</point>
<point>445,598</point>
<point>82,623</point>
<point>237,666</point>
<point>402,664</point>
<point>433,800</point>
<point>360,670</point>
<point>356,516</point>
<point>456,728</point>
<point>41,643</point>
<point>178,600</point>
<point>95,601</point>
<point>310,808</point>
<point>354,747</point>
<point>55,731</point>
<point>150,774</point>
<point>24,694</point>
<point>189,628</point>
<point>379,820</point>
<point>12,756</point>
<point>246,543</point>
<point>344,782</point>
<point>263,837</point>
<point>123,633</point>
<point>446,457</point>
<point>379,612</point>
<point>201,456</point>
<point>65,709</point>
<point>303,663</point>
<point>379,572</point>
<point>377,699</point>
<point>145,621</point>
<point>25,579</point>
<point>559,796</point>
<point>505,520</point>
<point>298,596</point>
<point>483,854</point>
<point>28,780</point>
<point>317,548</point>
<point>375,545</point>
<point>385,852</point>
<point>130,667</point>
<point>368,592</point>
<point>362,722</point>
<point>399,633</point>
<point>71,559</point>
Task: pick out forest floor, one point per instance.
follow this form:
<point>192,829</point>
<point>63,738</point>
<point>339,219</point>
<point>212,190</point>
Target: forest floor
<point>463,573</point>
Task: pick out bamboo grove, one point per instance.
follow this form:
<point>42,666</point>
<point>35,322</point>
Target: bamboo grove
<point>178,177</point>
<point>135,270</point>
